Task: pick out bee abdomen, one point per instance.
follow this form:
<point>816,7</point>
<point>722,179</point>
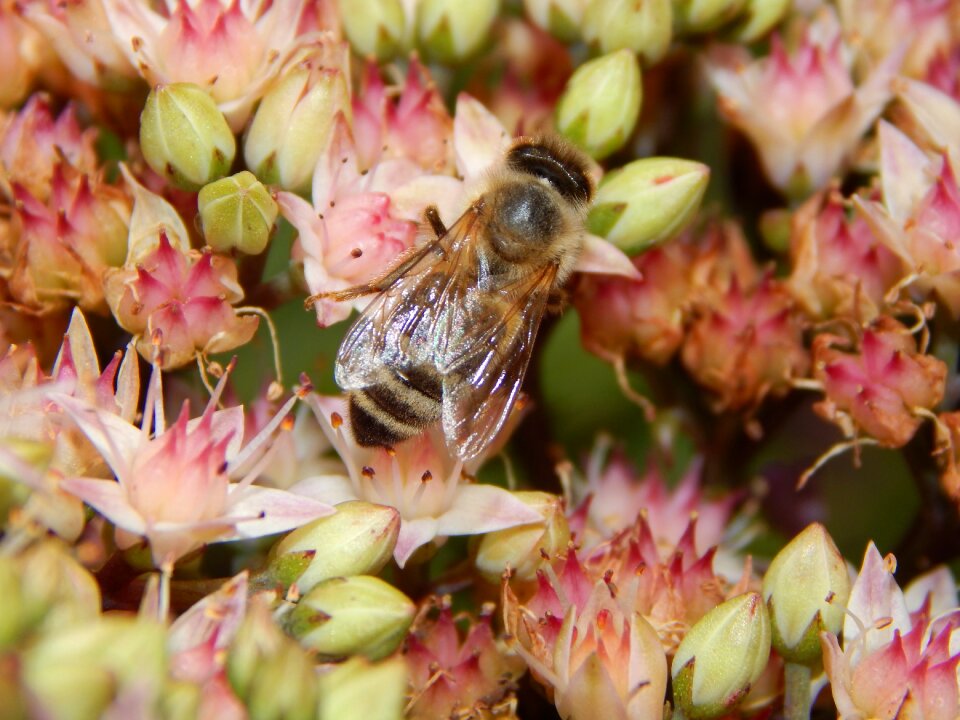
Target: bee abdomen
<point>400,405</point>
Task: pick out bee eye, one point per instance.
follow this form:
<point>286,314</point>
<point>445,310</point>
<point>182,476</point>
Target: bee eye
<point>567,178</point>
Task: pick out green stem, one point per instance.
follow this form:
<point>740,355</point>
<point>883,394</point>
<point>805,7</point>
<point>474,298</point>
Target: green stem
<point>796,703</point>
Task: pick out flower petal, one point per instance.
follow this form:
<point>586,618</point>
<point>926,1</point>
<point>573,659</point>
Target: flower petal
<point>115,439</point>
<point>272,510</point>
<point>484,508</point>
<point>875,596</point>
<point>604,258</point>
<point>332,489</point>
<point>479,138</point>
<point>413,534</point>
<point>108,498</point>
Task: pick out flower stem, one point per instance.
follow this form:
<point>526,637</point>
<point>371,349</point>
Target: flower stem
<point>796,702</point>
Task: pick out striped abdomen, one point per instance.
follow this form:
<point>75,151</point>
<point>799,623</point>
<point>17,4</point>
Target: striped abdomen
<point>399,405</point>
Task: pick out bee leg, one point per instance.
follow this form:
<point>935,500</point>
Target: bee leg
<point>433,217</point>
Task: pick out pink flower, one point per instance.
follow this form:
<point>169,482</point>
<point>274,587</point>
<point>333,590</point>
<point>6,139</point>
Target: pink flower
<point>67,242</point>
<point>179,303</point>
<point>33,144</point>
<point>198,642</point>
<point>454,674</point>
<point>745,344</point>
<point>800,109</point>
<point>613,496</point>
<point>27,415</point>
<point>895,663</point>
<point>231,49</point>
<point>878,26</point>
<point>175,487</point>
<point>421,478</point>
<point>919,219</point>
<point>840,268</point>
<point>593,654</point>
<point>414,124</point>
<point>877,387</point>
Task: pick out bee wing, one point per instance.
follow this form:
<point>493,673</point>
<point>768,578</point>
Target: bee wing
<point>411,319</point>
<point>488,367</point>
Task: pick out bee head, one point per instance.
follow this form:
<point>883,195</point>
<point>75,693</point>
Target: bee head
<point>554,161</point>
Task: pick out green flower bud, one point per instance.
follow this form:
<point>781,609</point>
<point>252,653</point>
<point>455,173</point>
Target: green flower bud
<point>721,656</point>
<point>647,201</point>
<point>560,18</point>
<point>359,615</point>
<point>44,589</point>
<point>356,540</point>
<point>375,27</point>
<point>758,18</point>
<point>357,688</point>
<point>237,212</point>
<point>450,31</point>
<point>644,27</point>
<point>806,588</point>
<point>273,676</point>
<point>292,125</point>
<point>524,547</point>
<point>78,670</point>
<point>601,104</point>
<point>184,136</point>
<point>700,16</point>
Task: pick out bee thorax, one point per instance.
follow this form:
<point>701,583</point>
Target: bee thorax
<point>525,219</point>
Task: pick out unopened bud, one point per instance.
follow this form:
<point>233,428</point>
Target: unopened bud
<point>560,18</point>
<point>269,672</point>
<point>721,656</point>
<point>758,17</point>
<point>185,137</point>
<point>700,16</point>
<point>358,688</point>
<point>356,540</point>
<point>293,123</point>
<point>644,27</point>
<point>375,27</point>
<point>525,548</point>
<point>360,615</point>
<point>237,212</point>
<point>806,589</point>
<point>647,202</point>
<point>78,670</point>
<point>601,103</point>
<point>451,31</point>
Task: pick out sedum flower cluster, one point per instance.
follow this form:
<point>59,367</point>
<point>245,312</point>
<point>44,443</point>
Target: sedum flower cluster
<point>729,486</point>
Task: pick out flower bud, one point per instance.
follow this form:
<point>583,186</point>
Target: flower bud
<point>374,27</point>
<point>357,688</point>
<point>700,16</point>
<point>601,103</point>
<point>806,588</point>
<point>359,615</point>
<point>523,548</point>
<point>185,137</point>
<point>293,123</point>
<point>721,656</point>
<point>647,201</point>
<point>271,673</point>
<point>450,31</point>
<point>560,18</point>
<point>356,540</point>
<point>758,17</point>
<point>237,212</point>
<point>644,27</point>
<point>78,670</point>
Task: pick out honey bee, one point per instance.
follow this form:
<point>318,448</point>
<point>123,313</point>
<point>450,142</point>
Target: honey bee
<point>449,335</point>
